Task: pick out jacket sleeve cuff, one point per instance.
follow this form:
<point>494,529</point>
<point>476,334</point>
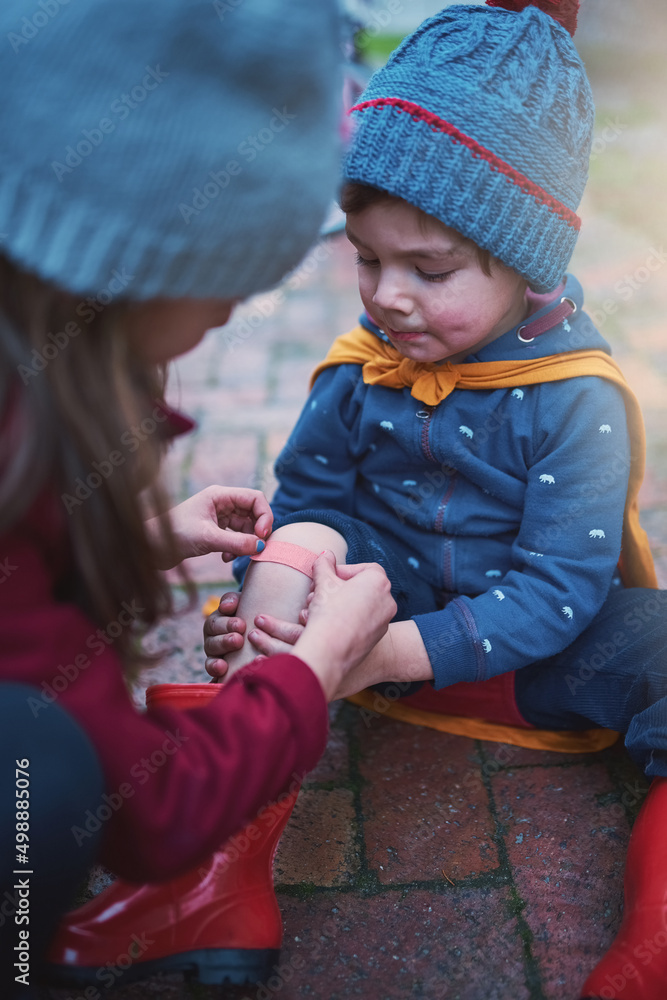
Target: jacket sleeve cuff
<point>453,644</point>
<point>299,694</point>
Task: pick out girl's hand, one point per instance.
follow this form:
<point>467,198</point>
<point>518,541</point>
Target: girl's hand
<point>275,635</point>
<point>348,614</point>
<point>223,633</point>
<point>225,519</point>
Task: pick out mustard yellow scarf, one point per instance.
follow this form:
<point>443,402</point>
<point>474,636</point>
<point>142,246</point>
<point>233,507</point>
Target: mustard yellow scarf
<point>431,383</point>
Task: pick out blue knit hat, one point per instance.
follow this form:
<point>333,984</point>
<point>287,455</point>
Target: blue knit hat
<point>483,118</point>
<point>188,146</point>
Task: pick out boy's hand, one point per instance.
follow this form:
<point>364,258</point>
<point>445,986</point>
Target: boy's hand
<point>225,519</point>
<point>223,634</point>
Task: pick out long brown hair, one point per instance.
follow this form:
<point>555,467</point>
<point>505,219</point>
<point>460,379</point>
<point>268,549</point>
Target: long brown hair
<point>72,393</point>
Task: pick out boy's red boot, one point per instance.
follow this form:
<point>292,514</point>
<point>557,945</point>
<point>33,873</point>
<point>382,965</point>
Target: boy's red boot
<point>219,923</point>
<point>635,967</point>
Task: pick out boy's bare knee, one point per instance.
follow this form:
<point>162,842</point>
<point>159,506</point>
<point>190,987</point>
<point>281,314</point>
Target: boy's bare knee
<point>313,536</point>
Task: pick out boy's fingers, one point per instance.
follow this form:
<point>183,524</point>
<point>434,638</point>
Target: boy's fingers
<point>215,668</point>
<point>229,603</point>
<point>217,624</point>
<point>216,646</point>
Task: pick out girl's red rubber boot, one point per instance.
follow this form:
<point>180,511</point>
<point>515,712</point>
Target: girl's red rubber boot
<point>635,967</point>
<point>217,924</point>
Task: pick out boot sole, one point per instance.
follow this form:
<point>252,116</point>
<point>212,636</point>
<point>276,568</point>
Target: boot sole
<point>208,966</point>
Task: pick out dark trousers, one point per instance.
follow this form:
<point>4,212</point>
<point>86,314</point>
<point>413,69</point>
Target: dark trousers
<point>51,759</point>
<point>614,675</point>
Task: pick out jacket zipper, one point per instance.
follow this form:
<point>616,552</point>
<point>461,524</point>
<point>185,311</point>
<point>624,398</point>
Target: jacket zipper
<point>442,506</point>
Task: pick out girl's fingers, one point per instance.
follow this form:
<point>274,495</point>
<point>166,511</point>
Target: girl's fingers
<point>277,628</point>
<point>263,524</point>
<point>238,543</point>
<point>346,571</point>
<point>265,644</point>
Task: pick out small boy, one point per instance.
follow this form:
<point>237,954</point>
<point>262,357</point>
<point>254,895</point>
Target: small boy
<point>472,435</point>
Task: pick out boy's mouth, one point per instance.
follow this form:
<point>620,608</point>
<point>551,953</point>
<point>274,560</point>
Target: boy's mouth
<point>406,335</point>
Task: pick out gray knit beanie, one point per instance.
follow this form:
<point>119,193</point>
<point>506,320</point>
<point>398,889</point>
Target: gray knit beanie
<point>188,146</point>
<point>483,118</point>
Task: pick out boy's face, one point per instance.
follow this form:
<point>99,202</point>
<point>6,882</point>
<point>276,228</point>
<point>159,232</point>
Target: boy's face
<point>423,284</point>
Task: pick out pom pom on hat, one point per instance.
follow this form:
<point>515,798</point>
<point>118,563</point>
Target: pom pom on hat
<point>563,11</point>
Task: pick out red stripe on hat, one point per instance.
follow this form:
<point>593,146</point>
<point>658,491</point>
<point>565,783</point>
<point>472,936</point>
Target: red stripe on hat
<point>439,125</point>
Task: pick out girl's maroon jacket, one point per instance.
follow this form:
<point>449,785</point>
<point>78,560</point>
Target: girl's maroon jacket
<point>178,783</point>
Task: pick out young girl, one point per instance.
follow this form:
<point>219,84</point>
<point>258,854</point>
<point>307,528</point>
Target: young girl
<point>120,119</point>
<point>473,435</point>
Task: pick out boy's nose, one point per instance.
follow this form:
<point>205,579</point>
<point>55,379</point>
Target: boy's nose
<point>390,294</point>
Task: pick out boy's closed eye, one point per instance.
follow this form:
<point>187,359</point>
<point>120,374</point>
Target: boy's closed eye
<point>365,261</point>
<point>435,277</point>
<point>426,275</point>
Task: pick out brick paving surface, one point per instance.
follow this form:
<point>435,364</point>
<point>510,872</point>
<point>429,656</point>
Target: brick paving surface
<point>418,864</point>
